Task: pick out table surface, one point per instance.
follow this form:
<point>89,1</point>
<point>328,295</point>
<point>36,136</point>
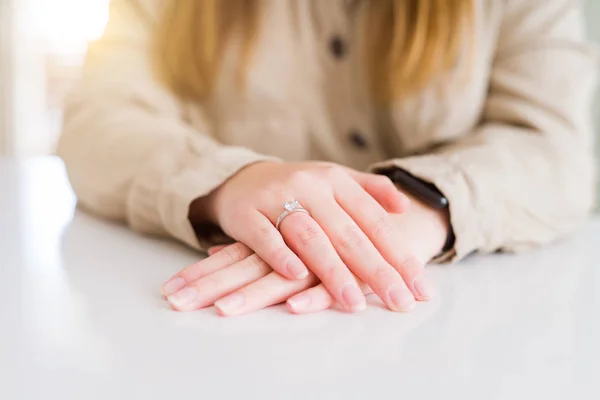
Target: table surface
<point>81,318</point>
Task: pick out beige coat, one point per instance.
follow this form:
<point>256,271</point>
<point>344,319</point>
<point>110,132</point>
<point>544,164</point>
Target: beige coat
<point>509,145</point>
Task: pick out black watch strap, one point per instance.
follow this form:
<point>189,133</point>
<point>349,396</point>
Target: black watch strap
<point>423,191</point>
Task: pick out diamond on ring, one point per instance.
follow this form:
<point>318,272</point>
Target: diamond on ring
<point>292,206</point>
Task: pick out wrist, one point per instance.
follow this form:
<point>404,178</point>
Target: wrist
<point>436,225</point>
<point>442,225</point>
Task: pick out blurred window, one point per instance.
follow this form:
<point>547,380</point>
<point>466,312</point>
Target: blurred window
<point>50,43</point>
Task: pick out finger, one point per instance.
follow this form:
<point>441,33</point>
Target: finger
<point>228,256</point>
<point>311,300</point>
<point>383,190</point>
<point>316,299</point>
<point>270,290</point>
<point>266,241</point>
<point>215,249</point>
<point>304,235</point>
<point>382,231</point>
<point>205,291</point>
<point>361,256</point>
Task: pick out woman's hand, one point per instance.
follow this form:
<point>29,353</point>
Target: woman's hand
<point>255,285</point>
<point>349,233</point>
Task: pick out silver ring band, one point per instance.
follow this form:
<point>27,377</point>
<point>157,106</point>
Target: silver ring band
<point>292,206</point>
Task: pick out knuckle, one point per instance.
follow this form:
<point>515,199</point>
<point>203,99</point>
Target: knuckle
<point>384,275</point>
<point>309,234</point>
<point>383,226</point>
<point>335,171</point>
<point>263,233</point>
<point>211,282</point>
<point>254,261</point>
<point>302,178</point>
<point>266,231</point>
<point>410,265</point>
<point>272,193</point>
<point>352,238</point>
<point>332,274</point>
<point>234,253</point>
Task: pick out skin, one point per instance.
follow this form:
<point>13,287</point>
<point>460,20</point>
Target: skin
<point>362,236</point>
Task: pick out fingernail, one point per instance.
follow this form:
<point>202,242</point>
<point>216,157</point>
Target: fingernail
<point>172,286</point>
<point>402,300</point>
<point>183,299</point>
<point>299,303</point>
<point>424,288</point>
<point>229,305</point>
<point>297,270</point>
<point>354,298</point>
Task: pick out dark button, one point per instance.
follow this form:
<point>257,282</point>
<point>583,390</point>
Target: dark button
<point>358,140</point>
<point>337,46</point>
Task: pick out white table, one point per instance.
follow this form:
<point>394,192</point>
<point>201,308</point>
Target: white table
<point>81,318</point>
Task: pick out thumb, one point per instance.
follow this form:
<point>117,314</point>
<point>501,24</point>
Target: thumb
<point>383,190</point>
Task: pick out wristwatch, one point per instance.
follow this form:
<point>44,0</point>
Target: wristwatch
<point>423,191</point>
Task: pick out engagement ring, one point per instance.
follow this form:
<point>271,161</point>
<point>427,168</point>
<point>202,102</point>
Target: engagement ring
<point>290,207</point>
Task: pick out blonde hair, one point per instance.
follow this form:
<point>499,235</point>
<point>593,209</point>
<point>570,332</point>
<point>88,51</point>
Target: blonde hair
<point>408,42</point>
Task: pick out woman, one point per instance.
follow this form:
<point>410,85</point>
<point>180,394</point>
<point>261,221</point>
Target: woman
<point>202,117</point>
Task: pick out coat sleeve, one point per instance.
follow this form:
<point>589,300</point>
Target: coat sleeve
<point>525,176</point>
<point>129,153</point>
